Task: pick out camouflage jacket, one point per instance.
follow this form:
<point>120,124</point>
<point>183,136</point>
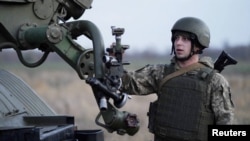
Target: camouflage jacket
<point>146,80</point>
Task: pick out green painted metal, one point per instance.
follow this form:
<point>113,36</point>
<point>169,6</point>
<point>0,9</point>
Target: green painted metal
<point>43,25</point>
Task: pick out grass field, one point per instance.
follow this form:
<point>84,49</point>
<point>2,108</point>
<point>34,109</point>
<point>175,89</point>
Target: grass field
<point>62,89</point>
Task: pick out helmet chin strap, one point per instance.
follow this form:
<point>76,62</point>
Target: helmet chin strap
<point>183,59</point>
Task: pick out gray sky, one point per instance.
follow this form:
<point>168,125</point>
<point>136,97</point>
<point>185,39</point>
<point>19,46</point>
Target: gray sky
<point>148,23</point>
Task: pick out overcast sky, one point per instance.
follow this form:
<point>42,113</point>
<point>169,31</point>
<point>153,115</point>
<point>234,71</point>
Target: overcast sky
<point>148,23</point>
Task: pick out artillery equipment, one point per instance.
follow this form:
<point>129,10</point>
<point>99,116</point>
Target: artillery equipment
<point>44,25</point>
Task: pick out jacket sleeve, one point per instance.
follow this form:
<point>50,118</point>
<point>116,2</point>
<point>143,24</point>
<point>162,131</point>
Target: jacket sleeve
<point>221,100</point>
<point>142,81</point>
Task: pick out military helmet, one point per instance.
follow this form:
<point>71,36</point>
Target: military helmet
<point>194,26</point>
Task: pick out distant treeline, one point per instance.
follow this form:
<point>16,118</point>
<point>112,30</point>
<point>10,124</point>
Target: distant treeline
<point>238,52</point>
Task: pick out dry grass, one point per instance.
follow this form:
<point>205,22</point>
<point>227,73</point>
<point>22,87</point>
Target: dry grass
<point>68,95</point>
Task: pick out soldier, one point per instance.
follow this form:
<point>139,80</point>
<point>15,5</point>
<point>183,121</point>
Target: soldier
<point>191,94</point>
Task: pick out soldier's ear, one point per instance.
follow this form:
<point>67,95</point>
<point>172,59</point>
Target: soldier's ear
<point>198,50</point>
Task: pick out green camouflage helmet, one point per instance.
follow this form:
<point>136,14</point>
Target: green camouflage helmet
<point>195,26</point>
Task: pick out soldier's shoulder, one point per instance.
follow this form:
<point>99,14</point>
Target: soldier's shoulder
<point>207,61</point>
<point>218,78</point>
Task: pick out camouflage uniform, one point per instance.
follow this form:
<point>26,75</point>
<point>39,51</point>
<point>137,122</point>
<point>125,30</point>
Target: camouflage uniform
<point>147,79</point>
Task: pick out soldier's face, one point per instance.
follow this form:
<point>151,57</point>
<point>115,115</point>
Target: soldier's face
<point>182,46</point>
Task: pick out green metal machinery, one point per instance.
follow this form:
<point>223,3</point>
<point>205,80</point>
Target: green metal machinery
<point>45,25</point>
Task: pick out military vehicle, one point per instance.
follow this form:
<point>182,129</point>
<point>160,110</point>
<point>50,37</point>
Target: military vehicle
<point>46,26</point>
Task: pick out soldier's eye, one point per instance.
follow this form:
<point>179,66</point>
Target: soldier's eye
<point>185,38</point>
<point>176,37</point>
